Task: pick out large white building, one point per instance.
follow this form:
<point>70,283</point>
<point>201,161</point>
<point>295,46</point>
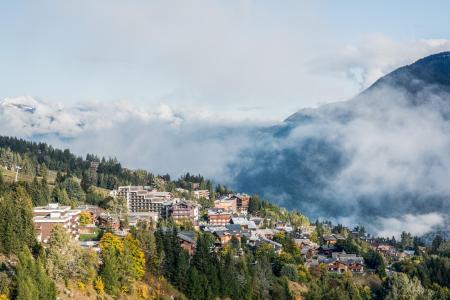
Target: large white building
<point>46,217</point>
<point>145,199</point>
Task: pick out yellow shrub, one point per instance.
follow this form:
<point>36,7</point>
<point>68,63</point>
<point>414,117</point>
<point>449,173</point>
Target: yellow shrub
<point>99,286</point>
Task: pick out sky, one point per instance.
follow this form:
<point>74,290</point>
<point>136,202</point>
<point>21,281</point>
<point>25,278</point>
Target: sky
<point>259,60</point>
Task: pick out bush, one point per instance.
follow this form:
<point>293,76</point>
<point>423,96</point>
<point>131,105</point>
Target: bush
<point>290,271</point>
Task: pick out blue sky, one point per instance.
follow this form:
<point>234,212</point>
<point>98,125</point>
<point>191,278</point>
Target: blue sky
<point>256,59</point>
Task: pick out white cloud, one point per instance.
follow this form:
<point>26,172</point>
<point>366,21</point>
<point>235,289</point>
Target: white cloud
<point>417,225</point>
<point>375,55</point>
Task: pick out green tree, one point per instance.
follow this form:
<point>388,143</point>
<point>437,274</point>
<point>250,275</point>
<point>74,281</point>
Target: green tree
<point>38,192</point>
<point>197,285</point>
<point>401,287</point>
<point>437,241</point>
<point>86,182</point>
<point>144,234</point>
<point>123,262</point>
<point>290,271</point>
<point>110,271</point>
<point>16,221</point>
<point>32,283</point>
<point>67,260</point>
<point>375,260</point>
<point>406,240</point>
<point>74,190</point>
<point>60,195</point>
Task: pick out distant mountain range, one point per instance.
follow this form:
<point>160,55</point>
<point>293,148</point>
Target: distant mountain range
<point>381,158</point>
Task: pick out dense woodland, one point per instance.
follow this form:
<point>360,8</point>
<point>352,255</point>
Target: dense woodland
<point>149,262</point>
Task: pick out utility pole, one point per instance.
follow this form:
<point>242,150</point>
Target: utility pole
<point>17,173</point>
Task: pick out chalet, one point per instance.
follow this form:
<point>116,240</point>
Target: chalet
<point>184,210</point>
<point>386,250</point>
<point>222,238</point>
<point>341,262</point>
<point>108,221</point>
<point>218,217</point>
<point>308,252</point>
<point>333,238</point>
<point>405,254</point>
<point>187,241</point>
<point>337,267</point>
<point>214,228</point>
<point>308,248</point>
<point>301,243</point>
<point>226,204</point>
<point>94,210</point>
<point>355,267</point>
<point>242,202</point>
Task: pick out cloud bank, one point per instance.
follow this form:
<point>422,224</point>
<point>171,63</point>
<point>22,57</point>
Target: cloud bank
<point>159,139</point>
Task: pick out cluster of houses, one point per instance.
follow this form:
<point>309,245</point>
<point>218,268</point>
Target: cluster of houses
<point>337,261</point>
<point>239,228</point>
<point>228,219</point>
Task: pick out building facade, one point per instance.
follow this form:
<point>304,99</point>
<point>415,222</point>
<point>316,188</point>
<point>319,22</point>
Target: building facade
<point>184,210</point>
<point>218,217</point>
<point>47,217</point>
<point>226,204</point>
<point>201,194</point>
<point>145,199</point>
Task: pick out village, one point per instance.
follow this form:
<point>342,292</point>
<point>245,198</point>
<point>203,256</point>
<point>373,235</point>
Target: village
<point>227,219</point>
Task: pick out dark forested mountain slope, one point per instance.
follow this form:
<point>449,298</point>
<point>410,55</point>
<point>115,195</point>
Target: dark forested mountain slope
<point>383,155</point>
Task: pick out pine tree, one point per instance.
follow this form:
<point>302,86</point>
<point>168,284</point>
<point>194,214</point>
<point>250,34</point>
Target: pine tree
<point>32,283</point>
<point>16,221</point>
<point>195,286</point>
<point>110,271</point>
<point>86,181</point>
<point>45,191</point>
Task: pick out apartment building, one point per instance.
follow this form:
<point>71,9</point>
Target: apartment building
<point>46,217</point>
<point>145,199</point>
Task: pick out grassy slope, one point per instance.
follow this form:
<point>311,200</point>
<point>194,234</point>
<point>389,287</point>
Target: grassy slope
<point>10,175</point>
<point>151,288</point>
